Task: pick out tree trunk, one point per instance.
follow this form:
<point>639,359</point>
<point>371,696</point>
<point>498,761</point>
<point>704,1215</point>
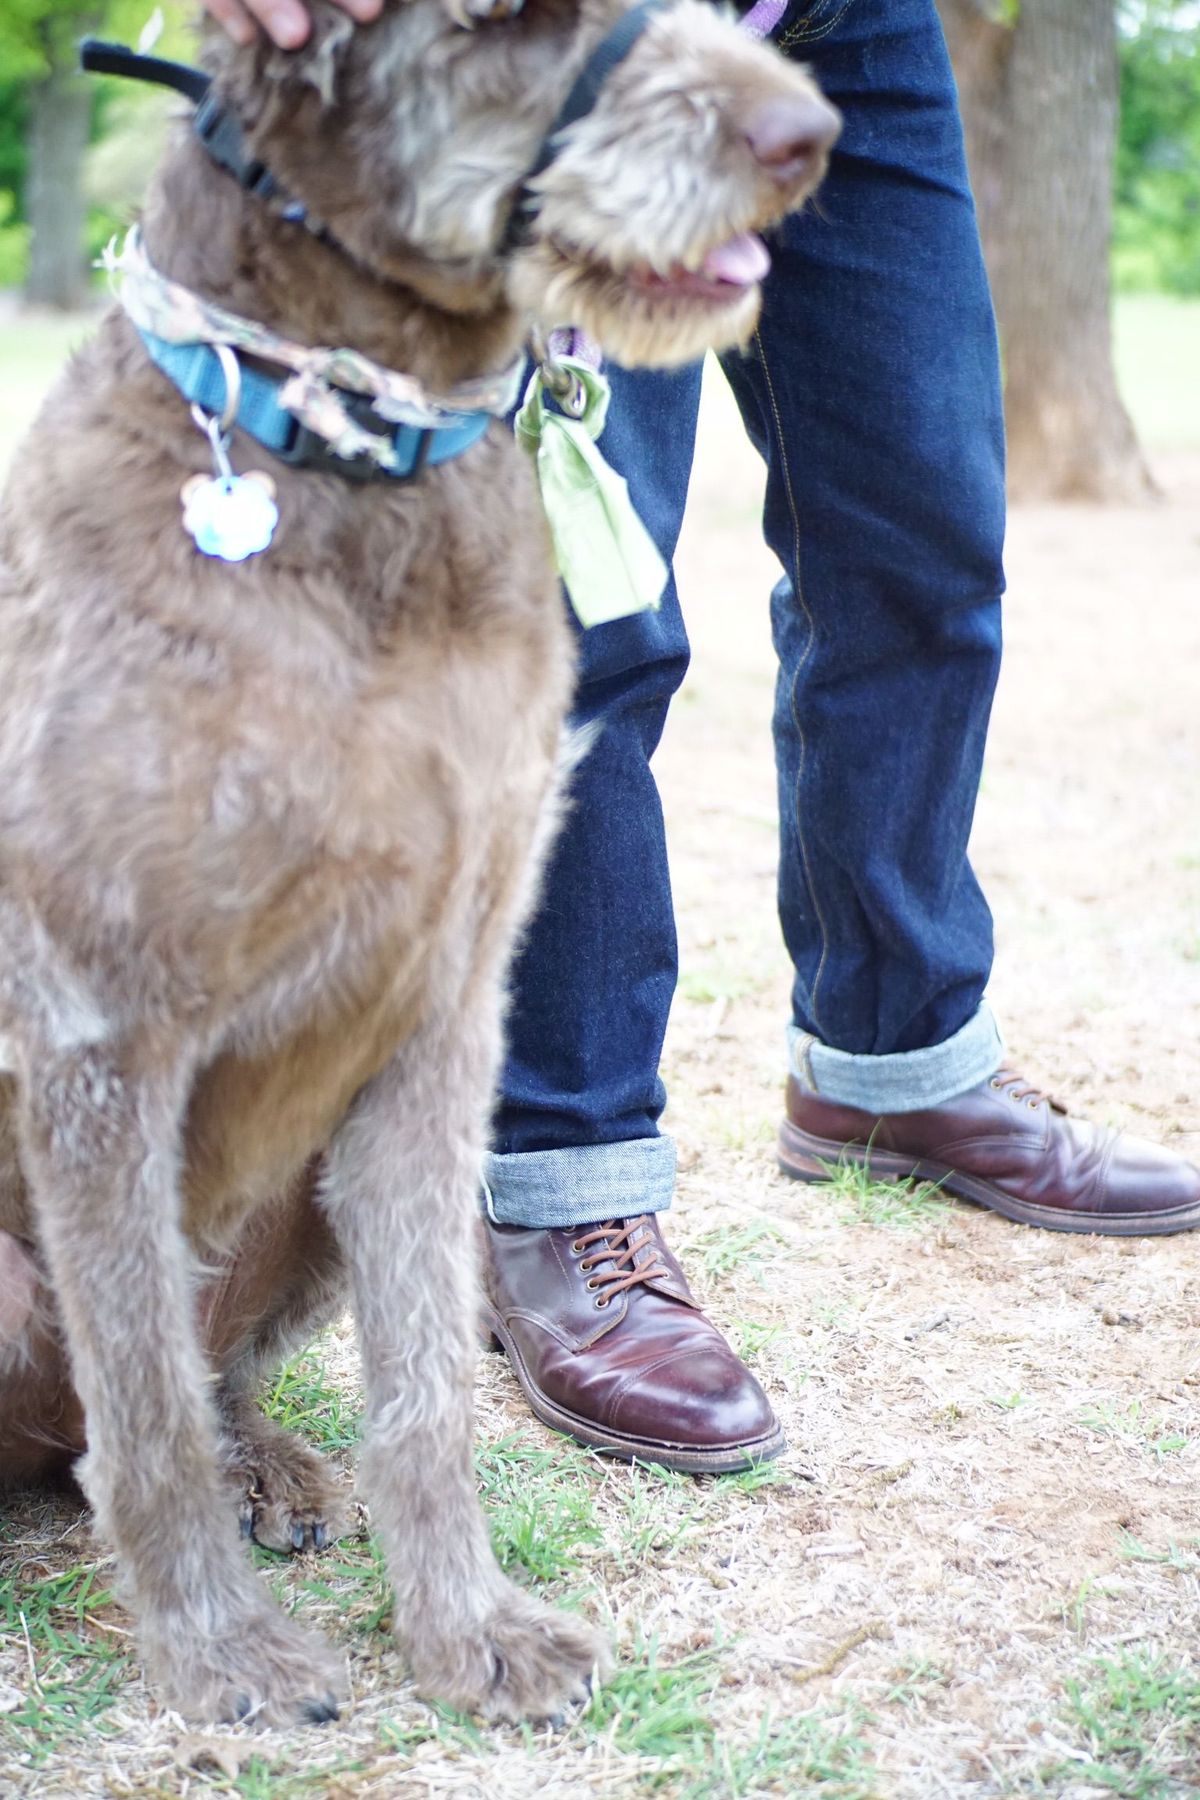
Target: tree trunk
<point>1040,96</point>
<point>60,110</point>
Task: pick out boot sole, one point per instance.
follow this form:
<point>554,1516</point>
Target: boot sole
<point>807,1158</point>
<point>728,1460</point>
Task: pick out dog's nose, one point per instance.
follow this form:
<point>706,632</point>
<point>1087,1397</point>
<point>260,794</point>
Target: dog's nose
<point>788,136</point>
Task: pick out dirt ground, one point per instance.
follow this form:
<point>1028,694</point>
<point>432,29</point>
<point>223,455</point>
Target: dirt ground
<point>975,1573</point>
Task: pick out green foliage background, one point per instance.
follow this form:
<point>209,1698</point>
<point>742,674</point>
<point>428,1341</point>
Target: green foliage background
<point>125,119</point>
<point>1157,230</point>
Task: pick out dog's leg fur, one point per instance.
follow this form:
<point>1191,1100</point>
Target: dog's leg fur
<point>286,1496</point>
<point>401,1187</point>
<point>101,1140</point>
<point>284,1282</point>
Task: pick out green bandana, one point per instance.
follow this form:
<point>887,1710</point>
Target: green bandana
<point>608,561</point>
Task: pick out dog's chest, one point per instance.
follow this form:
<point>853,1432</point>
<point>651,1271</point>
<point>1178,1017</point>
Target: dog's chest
<point>428,793</point>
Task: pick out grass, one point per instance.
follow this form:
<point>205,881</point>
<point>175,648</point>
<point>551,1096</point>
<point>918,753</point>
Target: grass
<point>32,348</point>
<point>1175,1556</point>
<point>1134,1428</point>
<point>662,1713</point>
<point>1134,1722</point>
<point>722,1249</point>
<point>540,1506</point>
<point>1157,344</point>
<point>886,1205</point>
<point>63,1628</point>
<point>304,1398</point>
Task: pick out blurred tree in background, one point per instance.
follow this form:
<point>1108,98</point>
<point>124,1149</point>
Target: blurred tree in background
<point>50,224</point>
<point>1039,81</point>
<point>1083,132</point>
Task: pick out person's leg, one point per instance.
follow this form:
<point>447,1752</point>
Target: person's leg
<point>873,391</point>
<point>576,1134</point>
<point>582,1292</point>
<point>577,1130</point>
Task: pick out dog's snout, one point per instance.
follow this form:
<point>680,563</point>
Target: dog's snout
<point>788,136</point>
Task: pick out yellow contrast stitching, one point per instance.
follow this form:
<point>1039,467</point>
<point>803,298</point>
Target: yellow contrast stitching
<point>800,34</point>
<point>798,590</point>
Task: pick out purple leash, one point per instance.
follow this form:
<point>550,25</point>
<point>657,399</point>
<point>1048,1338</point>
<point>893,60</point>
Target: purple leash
<point>763,17</point>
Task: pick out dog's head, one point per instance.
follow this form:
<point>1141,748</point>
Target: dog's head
<point>412,139</point>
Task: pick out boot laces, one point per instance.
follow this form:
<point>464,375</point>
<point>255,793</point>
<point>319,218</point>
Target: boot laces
<point>617,1242</point>
<point>1008,1081</point>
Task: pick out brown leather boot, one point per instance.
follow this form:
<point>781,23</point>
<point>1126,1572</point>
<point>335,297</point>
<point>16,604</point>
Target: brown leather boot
<point>1008,1146</point>
<point>605,1338</point>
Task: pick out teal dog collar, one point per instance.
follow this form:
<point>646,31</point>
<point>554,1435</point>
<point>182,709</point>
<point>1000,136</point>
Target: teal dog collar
<point>404,450</point>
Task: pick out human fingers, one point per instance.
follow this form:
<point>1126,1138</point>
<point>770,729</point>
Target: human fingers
<point>286,22</point>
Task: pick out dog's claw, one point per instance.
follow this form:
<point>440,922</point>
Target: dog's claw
<point>320,1536</point>
<point>320,1712</point>
<point>297,1536</point>
<point>247,1524</point>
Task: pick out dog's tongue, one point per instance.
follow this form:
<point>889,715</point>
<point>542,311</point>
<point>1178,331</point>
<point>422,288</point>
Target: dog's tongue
<point>743,260</point>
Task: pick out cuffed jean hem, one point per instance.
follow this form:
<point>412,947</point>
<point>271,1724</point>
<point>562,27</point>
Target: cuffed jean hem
<point>582,1185</point>
<point>904,1082</point>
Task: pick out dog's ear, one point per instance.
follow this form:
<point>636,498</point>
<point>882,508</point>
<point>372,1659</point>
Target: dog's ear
<point>316,62</point>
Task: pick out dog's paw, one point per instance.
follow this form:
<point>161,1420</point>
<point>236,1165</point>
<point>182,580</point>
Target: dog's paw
<point>288,1499</point>
<point>527,1661</point>
<point>261,1668</point>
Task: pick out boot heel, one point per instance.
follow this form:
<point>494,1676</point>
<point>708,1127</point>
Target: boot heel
<point>796,1160</point>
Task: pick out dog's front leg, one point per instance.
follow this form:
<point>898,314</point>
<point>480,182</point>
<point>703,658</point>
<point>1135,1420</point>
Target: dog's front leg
<point>401,1186</point>
<point>101,1148</point>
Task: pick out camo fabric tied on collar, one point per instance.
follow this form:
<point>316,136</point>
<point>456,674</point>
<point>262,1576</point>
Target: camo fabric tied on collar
<point>311,393</point>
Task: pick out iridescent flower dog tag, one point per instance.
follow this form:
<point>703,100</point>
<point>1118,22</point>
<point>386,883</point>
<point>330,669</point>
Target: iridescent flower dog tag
<point>230,516</point>
<point>227,516</point>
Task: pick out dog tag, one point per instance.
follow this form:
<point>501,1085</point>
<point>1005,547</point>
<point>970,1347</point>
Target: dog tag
<point>230,516</point>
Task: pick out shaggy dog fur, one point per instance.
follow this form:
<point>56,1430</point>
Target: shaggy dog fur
<point>267,831</point>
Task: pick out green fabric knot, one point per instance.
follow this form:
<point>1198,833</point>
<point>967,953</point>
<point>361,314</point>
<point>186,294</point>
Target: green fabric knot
<point>609,563</point>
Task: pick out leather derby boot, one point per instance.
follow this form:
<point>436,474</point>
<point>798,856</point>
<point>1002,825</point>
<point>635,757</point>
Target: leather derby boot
<point>605,1338</point>
<point>1007,1146</point>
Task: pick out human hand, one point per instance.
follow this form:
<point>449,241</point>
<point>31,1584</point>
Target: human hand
<point>286,22</point>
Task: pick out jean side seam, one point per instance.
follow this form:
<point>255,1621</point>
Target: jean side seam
<point>798,590</point>
<point>799,35</point>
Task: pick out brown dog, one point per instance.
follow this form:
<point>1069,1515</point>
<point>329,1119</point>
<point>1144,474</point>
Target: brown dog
<point>268,829</point>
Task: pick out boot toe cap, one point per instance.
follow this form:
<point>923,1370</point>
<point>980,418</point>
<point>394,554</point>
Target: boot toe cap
<point>703,1400</point>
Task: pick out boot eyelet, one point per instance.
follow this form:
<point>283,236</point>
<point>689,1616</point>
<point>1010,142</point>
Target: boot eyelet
<point>993,1083</point>
<point>592,1283</point>
<point>577,1249</point>
<point>587,1264</point>
<point>601,1304</point>
<point>1032,1105</point>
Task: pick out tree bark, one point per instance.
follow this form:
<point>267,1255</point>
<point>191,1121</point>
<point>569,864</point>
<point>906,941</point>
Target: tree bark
<point>60,109</point>
<point>1040,93</point>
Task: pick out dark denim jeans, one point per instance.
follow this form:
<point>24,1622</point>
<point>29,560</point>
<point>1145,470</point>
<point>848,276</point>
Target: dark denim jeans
<point>872,392</point>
